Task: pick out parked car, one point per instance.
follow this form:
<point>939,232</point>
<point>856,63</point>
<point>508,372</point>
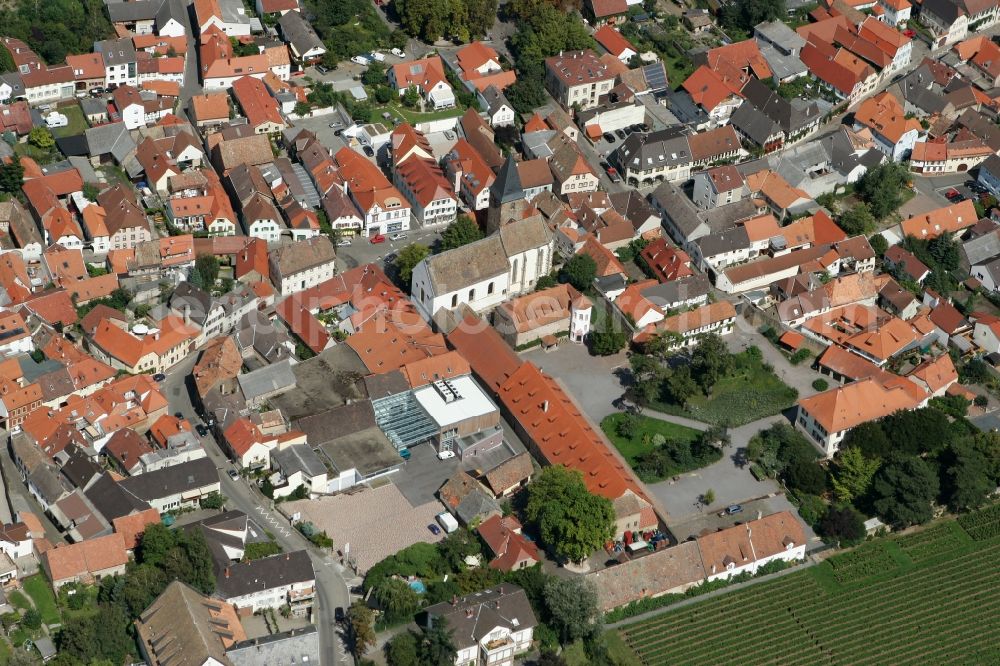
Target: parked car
<point>380,238</point>
<point>398,236</point>
<point>448,134</point>
<point>97,92</point>
<point>201,429</point>
<point>178,415</point>
<point>627,130</point>
<point>389,258</point>
<point>446,455</point>
<point>335,124</point>
<point>233,474</point>
<point>344,242</point>
<point>405,454</point>
<point>639,127</point>
<point>609,137</point>
<point>434,529</point>
<point>338,614</point>
<point>910,32</point>
<point>620,134</point>
<point>613,175</point>
<point>361,60</point>
<point>733,509</point>
<point>368,151</point>
<point>397,52</point>
<point>322,69</point>
<point>159,377</point>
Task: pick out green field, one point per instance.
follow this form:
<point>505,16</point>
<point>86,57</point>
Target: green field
<point>749,393</point>
<point>38,589</point>
<point>931,597</point>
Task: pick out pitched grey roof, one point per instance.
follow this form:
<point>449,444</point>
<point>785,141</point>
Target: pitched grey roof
<point>111,139</point>
<point>522,235</point>
<point>171,480</point>
<point>504,606</point>
<point>507,186</point>
<point>677,291</point>
<point>476,262</point>
<point>751,122</point>
<point>192,301</point>
<point>299,33</point>
<point>116,51</point>
<point>264,574</point>
<point>645,151</point>
<point>984,248</point>
<point>726,241</point>
<point>495,100</point>
<point>170,9</point>
<point>791,116</point>
<point>780,35</point>
<point>678,208</point>
<point>298,646</point>
<point>135,10</point>
<point>267,380</point>
<point>298,458</point>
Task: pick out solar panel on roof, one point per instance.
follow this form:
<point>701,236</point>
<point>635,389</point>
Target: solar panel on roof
<point>655,75</point>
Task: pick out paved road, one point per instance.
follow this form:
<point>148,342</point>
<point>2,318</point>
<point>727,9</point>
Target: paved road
<point>331,588</point>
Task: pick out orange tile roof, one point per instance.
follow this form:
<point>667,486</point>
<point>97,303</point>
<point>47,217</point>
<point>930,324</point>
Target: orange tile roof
<point>539,308</point>
<point>884,114</point>
<point>559,431</point>
<point>607,262</point>
<point>133,525</point>
<point>887,340</point>
<point>709,88</point>
<point>85,558</point>
<point>743,55</point>
<point>758,539</point>
<point>952,219</point>
<point>211,106</point>
<point>936,373</point>
<point>86,66</point>
<point>849,406</point>
<point>366,183</point>
<point>257,104</point>
<point>166,427</point>
<point>424,73</point>
<point>666,261</point>
<point>510,548</point>
<point>490,357</point>
<point>130,349</point>
<point>53,307</point>
<point>836,67</point>
<point>613,41</point>
<point>443,366</point>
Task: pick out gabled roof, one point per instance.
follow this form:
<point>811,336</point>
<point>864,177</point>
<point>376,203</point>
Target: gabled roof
<point>849,406</point>
<point>950,219</point>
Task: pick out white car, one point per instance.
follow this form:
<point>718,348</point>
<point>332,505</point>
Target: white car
<point>361,60</point>
<point>399,236</point>
<point>398,53</point>
<point>345,242</point>
<point>445,455</point>
<point>379,57</point>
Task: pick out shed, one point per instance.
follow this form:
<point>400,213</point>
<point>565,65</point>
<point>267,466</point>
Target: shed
<point>791,340</point>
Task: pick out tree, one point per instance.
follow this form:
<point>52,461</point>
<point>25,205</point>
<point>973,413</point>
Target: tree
<point>843,524</point>
<point>32,619</point>
<point>743,15</point>
<point>710,361</point>
<point>946,251</point>
<point>708,497</point>
<point>628,425</point>
<point>903,490</point>
<point>609,340</point>
<point>919,431</point>
<point>974,371</point>
<point>572,606</point>
<point>438,646</point>
<point>460,232</point>
<point>681,385</point>
<point>870,439</point>
<point>857,220</point>
<point>879,244</point>
<point>545,282</point>
<point>580,271</point>
<point>571,520</point>
<point>411,97</point>
<point>207,268</point>
<point>213,500</point>
<point>806,476</point>
<point>360,629</point>
<point>401,650</point>
<point>374,75</point>
<point>881,188</point>
<point>965,482</point>
<point>526,94</point>
<point>302,109</point>
<point>853,473</point>
<point>397,598</point>
<point>457,546</point>
<point>551,659</point>
<point>12,176</point>
<point>41,137</point>
<point>407,259</point>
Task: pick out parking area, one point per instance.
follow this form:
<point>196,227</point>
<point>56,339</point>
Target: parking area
<point>423,474</point>
<point>369,525</point>
<point>320,126</point>
<point>970,189</point>
<point>363,251</point>
<point>710,520</point>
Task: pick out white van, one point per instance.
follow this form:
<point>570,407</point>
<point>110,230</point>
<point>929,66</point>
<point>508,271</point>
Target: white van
<point>361,60</point>
<point>447,521</point>
<point>56,119</point>
<point>378,57</point>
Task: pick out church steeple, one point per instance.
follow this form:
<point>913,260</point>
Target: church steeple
<point>507,186</point>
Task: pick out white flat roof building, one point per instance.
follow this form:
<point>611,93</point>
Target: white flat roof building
<point>451,401</point>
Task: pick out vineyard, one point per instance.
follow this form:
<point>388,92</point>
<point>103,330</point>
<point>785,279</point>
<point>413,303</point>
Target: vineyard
<point>931,597</point>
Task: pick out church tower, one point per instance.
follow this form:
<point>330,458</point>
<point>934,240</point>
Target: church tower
<point>506,197</point>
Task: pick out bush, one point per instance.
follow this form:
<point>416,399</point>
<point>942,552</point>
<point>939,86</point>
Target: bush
<point>799,356</point>
<point>811,508</point>
<point>820,385</point>
<point>981,401</point>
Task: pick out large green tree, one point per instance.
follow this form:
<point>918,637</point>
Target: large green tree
<point>881,188</point>
<point>438,646</point>
<point>903,491</point>
<point>710,361</point>
<point>580,271</point>
<point>965,481</point>
<point>843,524</point>
<point>12,176</point>
<point>461,232</point>
<point>572,606</point>
<point>743,15</point>
<point>407,259</point>
<point>360,628</point>
<point>397,598</point>
<point>853,473</point>
<point>571,520</point>
<point>402,650</point>
<point>870,439</point>
<point>609,340</point>
<point>857,220</point>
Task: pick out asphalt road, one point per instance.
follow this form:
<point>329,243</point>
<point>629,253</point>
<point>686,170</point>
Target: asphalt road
<point>331,588</point>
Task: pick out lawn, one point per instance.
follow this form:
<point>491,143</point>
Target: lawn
<point>635,447</point>
<point>876,604</point>
<point>38,589</point>
<point>77,122</point>
<point>19,600</point>
<point>411,116</point>
<point>752,391</point>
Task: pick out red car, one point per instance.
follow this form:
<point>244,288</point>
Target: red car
<point>951,194</point>
<point>378,239</point>
<point>910,33</point>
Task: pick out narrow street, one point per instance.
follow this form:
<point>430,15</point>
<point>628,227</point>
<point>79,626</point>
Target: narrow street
<point>331,588</point>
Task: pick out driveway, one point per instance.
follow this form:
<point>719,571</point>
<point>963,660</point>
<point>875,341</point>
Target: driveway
<point>590,379</point>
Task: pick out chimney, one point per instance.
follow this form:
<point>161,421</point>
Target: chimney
<point>759,514</point>
<point>545,406</point>
<point>227,572</point>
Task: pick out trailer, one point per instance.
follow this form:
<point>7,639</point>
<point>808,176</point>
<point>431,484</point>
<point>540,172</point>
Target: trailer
<point>447,521</point>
